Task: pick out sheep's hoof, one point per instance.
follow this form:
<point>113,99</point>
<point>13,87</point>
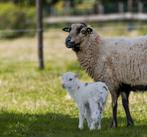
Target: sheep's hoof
<point>113,125</point>
<point>130,124</point>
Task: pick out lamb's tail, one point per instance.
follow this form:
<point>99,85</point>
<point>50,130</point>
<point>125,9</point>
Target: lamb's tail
<point>105,93</point>
<point>106,88</point>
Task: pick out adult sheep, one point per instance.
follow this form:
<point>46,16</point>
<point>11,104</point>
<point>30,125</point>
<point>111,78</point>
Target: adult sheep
<point>119,62</point>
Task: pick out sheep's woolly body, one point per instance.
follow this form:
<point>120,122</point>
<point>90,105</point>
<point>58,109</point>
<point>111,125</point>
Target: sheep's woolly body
<point>119,62</point>
<point>115,61</point>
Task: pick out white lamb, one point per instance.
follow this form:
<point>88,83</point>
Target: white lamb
<point>90,99</point>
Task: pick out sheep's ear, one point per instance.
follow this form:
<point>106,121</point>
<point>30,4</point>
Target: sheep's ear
<point>67,29</point>
<point>89,30</point>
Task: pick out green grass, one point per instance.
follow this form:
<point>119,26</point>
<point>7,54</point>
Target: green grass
<point>33,103</point>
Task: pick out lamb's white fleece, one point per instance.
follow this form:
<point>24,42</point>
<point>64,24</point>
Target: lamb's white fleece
<point>90,98</point>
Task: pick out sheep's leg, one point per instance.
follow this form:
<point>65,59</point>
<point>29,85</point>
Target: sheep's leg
<point>114,109</point>
<point>125,102</point>
<point>81,116</point>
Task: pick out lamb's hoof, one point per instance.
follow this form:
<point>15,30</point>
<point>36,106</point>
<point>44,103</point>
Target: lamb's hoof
<point>80,127</point>
<point>99,128</point>
<point>89,126</point>
<point>92,128</point>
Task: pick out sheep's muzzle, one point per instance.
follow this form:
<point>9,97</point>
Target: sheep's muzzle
<point>71,44</point>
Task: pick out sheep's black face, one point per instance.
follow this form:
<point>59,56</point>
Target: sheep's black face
<point>77,33</point>
<point>71,44</point>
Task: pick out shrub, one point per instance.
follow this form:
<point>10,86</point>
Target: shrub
<point>13,17</point>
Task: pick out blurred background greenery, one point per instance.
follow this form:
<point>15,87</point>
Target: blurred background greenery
<point>32,102</point>
<point>21,14</point>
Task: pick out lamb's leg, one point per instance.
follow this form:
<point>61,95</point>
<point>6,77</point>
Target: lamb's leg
<point>81,116</point>
<point>87,115</point>
<point>114,97</point>
<point>125,102</point>
<point>99,124</point>
<point>94,118</point>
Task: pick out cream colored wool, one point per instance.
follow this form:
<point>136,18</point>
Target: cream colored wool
<point>114,61</point>
<point>119,62</point>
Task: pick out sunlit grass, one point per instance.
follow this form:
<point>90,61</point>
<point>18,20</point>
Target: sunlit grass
<point>33,103</point>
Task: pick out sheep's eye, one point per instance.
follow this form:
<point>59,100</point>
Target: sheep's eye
<point>70,79</point>
<point>83,31</point>
<point>79,30</point>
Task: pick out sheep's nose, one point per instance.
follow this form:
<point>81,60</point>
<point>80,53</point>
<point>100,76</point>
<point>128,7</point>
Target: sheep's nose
<point>69,43</point>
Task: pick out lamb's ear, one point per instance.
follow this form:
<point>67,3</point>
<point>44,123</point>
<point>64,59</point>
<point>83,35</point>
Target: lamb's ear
<point>60,77</point>
<point>77,75</point>
<point>67,29</point>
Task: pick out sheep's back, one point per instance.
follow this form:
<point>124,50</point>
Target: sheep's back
<point>130,64</point>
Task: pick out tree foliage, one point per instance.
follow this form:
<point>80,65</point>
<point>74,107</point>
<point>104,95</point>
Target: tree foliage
<point>49,2</point>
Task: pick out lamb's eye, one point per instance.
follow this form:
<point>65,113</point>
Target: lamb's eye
<point>70,79</point>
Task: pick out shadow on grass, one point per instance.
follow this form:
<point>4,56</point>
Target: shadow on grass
<point>59,125</point>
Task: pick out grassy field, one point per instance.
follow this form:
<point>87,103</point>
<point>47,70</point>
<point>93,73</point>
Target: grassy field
<point>33,103</point>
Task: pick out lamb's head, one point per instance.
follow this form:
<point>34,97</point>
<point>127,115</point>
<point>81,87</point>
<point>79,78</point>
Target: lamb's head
<point>77,34</point>
<point>69,80</point>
